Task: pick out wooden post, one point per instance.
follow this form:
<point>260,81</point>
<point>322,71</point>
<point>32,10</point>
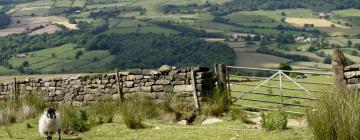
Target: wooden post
<point>193,85</point>
<point>119,86</point>
<point>221,77</point>
<point>15,89</point>
<point>338,64</point>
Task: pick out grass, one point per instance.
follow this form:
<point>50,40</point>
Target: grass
<point>63,3</point>
<point>100,6</point>
<point>166,130</point>
<point>6,71</point>
<point>79,3</point>
<point>336,116</point>
<point>276,120</point>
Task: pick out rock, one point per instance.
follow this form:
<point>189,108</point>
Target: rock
<point>201,69</point>
<point>155,72</point>
<point>355,67</point>
<point>157,88</point>
<point>145,89</point>
<point>168,88</point>
<point>165,68</point>
<point>178,82</point>
<point>162,82</point>
<point>134,71</point>
<point>353,80</point>
<point>212,121</point>
<point>89,97</point>
<point>129,84</point>
<point>352,74</point>
<point>182,122</point>
<point>183,88</point>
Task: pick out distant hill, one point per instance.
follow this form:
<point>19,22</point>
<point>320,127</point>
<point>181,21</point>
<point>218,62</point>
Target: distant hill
<point>315,5</point>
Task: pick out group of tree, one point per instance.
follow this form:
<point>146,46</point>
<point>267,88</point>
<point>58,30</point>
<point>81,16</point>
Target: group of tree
<point>295,57</point>
<point>188,32</point>
<point>5,19</point>
<point>316,5</point>
<point>133,50</point>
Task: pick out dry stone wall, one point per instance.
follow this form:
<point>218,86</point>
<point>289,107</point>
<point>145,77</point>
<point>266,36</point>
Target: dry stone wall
<point>352,76</point>
<point>85,89</point>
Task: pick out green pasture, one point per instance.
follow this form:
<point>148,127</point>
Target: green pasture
<point>157,130</point>
<point>79,3</point>
<point>61,58</point>
<point>63,3</point>
<point>6,71</point>
<point>38,11</point>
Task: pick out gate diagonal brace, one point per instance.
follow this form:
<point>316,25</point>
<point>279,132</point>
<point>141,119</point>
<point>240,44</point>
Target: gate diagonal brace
<point>279,73</point>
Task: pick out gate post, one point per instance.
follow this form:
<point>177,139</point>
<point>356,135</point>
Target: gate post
<point>221,76</point>
<point>338,63</point>
<point>222,82</point>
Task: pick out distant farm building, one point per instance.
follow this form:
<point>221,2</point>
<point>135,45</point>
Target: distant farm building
<point>22,55</point>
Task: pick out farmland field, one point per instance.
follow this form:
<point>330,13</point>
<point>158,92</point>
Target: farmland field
<point>63,3</point>
<point>61,58</point>
<point>26,22</point>
<point>79,3</point>
<point>300,22</point>
<point>28,11</point>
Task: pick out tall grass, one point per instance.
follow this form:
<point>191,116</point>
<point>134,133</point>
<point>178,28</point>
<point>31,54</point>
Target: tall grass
<point>132,115</point>
<point>274,120</point>
<point>336,117</point>
<point>218,103</point>
<point>26,107</point>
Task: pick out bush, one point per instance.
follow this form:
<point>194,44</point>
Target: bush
<point>275,120</point>
<point>218,103</point>
<point>26,107</point>
<point>73,119</point>
<point>131,113</point>
<point>336,117</point>
<point>102,112</point>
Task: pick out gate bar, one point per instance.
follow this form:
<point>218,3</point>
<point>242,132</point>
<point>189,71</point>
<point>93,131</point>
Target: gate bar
<point>272,102</point>
<point>287,71</point>
<point>262,78</point>
<point>269,109</point>
<point>268,94</point>
<point>286,88</point>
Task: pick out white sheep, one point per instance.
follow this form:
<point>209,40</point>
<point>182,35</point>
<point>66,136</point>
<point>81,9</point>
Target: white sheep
<point>50,123</point>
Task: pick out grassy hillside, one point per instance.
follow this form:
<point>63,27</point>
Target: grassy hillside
<point>63,59</point>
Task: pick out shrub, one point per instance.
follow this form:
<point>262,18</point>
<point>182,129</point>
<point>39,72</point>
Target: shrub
<point>275,120</point>
<point>218,103</point>
<point>102,112</point>
<point>336,117</point>
<point>131,113</point>
<point>73,119</point>
<point>26,107</point>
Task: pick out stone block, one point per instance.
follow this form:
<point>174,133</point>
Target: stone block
<point>163,82</point>
<point>157,88</point>
<point>183,88</point>
<point>89,97</point>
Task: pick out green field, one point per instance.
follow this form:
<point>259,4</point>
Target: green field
<point>163,130</point>
<point>38,11</point>
<point>63,3</point>
<point>63,58</point>
<point>79,3</point>
<point>6,71</point>
<point>100,6</point>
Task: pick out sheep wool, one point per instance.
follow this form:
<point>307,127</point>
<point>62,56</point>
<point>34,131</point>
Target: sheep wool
<point>50,123</point>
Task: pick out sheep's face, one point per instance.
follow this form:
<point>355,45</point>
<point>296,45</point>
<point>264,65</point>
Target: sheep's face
<point>50,113</point>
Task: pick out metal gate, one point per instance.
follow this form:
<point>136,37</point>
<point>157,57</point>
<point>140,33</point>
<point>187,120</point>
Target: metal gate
<point>269,89</point>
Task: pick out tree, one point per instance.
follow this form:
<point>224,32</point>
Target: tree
<point>78,54</point>
<point>25,64</point>
<point>283,66</point>
<point>349,43</point>
<point>327,60</point>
